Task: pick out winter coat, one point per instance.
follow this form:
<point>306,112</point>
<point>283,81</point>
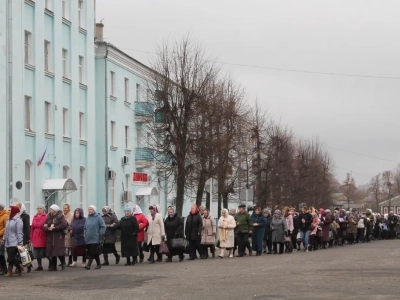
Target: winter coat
<point>279,228</point>
<point>209,231</point>
<point>173,227</point>
<point>26,220</point>
<point>55,238</point>
<point>296,223</point>
<point>14,235</point>
<point>229,222</point>
<point>392,220</point>
<point>111,222</point>
<point>326,223</point>
<point>68,217</point>
<point>352,225</point>
<point>78,230</point>
<point>260,219</point>
<point>3,223</point>
<point>129,230</point>
<point>143,223</point>
<point>38,234</point>
<point>362,223</point>
<point>342,223</point>
<point>289,223</point>
<point>245,224</point>
<point>268,232</point>
<point>95,229</point>
<point>194,227</point>
<point>315,223</point>
<point>308,220</point>
<point>156,230</point>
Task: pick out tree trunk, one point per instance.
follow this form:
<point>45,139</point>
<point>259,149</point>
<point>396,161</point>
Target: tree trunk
<point>180,187</point>
<point>200,188</point>
<point>208,198</point>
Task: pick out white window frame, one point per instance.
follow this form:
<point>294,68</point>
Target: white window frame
<point>139,137</point>
<point>28,185</point>
<point>48,118</point>
<point>28,113</point>
<point>138,88</point>
<point>112,79</point>
<point>81,13</point>
<point>113,134</point>
<point>111,191</point>
<point>48,5</point>
<point>82,126</point>
<point>127,181</point>
<point>65,62</point>
<point>81,69</point>
<point>65,9</point>
<point>65,122</point>
<point>47,56</point>
<point>82,185</point>
<point>127,140</point>
<point>67,175</point>
<point>126,90</point>
<point>28,47</point>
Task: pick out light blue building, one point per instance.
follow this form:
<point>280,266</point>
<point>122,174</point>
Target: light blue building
<point>128,172</point>
<point>47,101</point>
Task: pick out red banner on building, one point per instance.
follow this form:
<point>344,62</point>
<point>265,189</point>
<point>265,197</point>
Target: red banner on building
<point>138,177</point>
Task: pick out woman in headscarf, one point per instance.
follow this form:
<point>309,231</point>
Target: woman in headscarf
<point>173,229</point>
<point>313,231</point>
<point>13,238</point>
<point>143,224</point>
<point>352,228</point>
<point>26,220</point>
<point>267,232</point>
<point>111,221</point>
<point>279,230</point>
<point>94,236</point>
<point>55,225</point>
<point>194,226</point>
<point>342,221</point>
<point>155,232</point>
<point>78,237</point>
<point>326,221</point>
<point>68,246</point>
<point>226,225</point>
<point>208,234</point>
<point>129,230</point>
<point>258,232</point>
<point>3,223</point>
<point>39,236</point>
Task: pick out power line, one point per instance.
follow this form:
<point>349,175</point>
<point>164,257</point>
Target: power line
<point>366,155</point>
<point>291,70</point>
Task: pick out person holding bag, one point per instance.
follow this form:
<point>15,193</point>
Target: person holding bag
<point>173,229</point>
<point>13,237</point>
<point>279,230</point>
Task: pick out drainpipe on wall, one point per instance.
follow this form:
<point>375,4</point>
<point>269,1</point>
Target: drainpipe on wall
<point>9,102</point>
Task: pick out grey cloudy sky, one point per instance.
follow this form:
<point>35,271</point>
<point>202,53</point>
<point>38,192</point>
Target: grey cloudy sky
<point>339,36</point>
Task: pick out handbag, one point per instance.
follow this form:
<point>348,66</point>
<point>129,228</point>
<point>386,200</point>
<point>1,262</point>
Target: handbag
<point>312,227</point>
<point>300,235</point>
<point>24,256</point>
<point>145,247</point>
<point>163,248</point>
<point>178,243</point>
<point>287,240</point>
<point>66,230</point>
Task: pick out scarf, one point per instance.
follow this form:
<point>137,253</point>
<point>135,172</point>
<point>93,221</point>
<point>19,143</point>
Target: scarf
<point>153,214</point>
<point>224,231</point>
<point>138,210</point>
<point>14,211</point>
<point>174,214</point>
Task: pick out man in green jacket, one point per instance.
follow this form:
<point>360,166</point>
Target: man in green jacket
<point>244,227</point>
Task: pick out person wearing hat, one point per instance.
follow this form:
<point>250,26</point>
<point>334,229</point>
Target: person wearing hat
<point>94,236</point>
<point>279,230</point>
<point>110,238</point>
<point>13,238</point>
<point>39,236</point>
<point>54,226</point>
<point>244,227</point>
<point>3,223</point>
<point>155,233</point>
<point>129,233</point>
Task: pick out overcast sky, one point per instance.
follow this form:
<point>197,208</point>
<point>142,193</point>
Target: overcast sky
<point>360,37</point>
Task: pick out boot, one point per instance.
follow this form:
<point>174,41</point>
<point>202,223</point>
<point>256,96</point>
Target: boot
<point>117,258</point>
<point>20,269</point>
<point>9,270</point>
<point>89,264</point>
<point>106,263</point>
<point>141,258</point>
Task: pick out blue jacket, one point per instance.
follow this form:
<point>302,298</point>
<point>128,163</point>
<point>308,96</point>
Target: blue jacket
<point>94,229</point>
<point>260,219</point>
<point>14,235</point>
<point>78,229</point>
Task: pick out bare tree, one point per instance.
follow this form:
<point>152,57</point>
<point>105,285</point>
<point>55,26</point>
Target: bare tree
<point>375,187</point>
<point>349,188</point>
<point>396,178</point>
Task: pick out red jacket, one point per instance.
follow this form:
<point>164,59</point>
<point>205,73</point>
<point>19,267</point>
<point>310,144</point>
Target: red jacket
<point>38,235</point>
<point>143,223</point>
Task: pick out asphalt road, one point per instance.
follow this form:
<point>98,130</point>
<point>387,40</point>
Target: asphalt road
<point>367,271</point>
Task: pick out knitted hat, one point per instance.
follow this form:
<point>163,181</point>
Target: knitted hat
<point>55,207</point>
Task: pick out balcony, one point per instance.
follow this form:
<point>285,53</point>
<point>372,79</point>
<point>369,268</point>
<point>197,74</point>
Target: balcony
<point>144,112</point>
<point>163,160</point>
<point>144,157</point>
<point>160,116</point>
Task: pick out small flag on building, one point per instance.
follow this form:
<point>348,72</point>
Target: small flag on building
<point>41,159</point>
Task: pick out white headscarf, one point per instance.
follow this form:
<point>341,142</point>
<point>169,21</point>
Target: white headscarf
<point>53,207</point>
<point>138,210</point>
<point>227,212</point>
<point>93,207</point>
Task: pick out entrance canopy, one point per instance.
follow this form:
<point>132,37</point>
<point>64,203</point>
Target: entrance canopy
<point>147,191</point>
<point>59,185</point>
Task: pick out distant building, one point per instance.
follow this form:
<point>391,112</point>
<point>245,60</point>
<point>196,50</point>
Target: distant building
<point>392,204</point>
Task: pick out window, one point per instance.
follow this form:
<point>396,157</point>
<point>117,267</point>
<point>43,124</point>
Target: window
<point>81,125</point>
<point>65,62</point>
<point>48,117</point>
<point>81,70</point>
<point>47,58</point>
<point>112,83</point>
<point>148,139</point>
<point>126,90</point>
<point>138,92</point>
<point>113,138</point>
<point>67,175</point>
<point>48,4</point>
<point>82,180</point>
<point>127,181</point>
<point>127,137</point>
<point>398,210</point>
<point>139,137</point>
<point>385,210</point>
<point>65,9</point>
<point>28,46</point>
<point>28,185</point>
<point>111,196</point>
<point>149,95</point>
<point>81,13</point>
<point>28,113</point>
<point>65,122</point>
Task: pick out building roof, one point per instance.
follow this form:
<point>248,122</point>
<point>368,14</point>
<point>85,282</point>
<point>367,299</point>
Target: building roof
<point>395,201</point>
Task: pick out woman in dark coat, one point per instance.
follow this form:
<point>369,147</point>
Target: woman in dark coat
<point>173,229</point>
<point>129,231</point>
<point>54,226</point>
<point>194,226</point>
<point>111,221</point>
<point>78,237</point>
<point>267,232</point>
<point>326,220</point>
<point>258,232</point>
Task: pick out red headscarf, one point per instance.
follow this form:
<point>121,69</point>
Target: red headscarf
<point>322,212</point>
<point>14,211</point>
<point>194,210</point>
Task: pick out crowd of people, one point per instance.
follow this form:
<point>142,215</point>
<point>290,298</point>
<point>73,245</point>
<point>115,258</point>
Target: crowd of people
<point>62,235</point>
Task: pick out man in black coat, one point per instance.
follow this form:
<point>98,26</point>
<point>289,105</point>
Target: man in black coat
<point>268,232</point>
<point>193,228</point>
<point>392,223</point>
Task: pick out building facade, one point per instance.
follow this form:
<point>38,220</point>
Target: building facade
<point>47,102</point>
